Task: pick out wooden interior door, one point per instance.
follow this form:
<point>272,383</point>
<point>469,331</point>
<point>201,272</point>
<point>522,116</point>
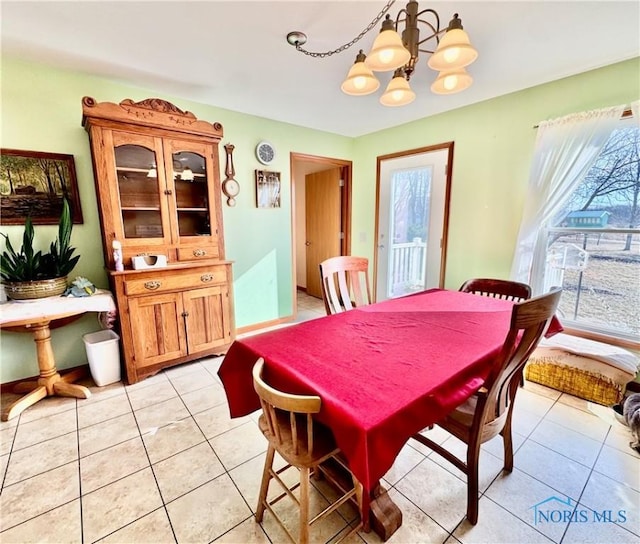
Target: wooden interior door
<point>323,212</point>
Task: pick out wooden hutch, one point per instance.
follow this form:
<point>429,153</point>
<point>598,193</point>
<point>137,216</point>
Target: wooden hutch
<point>157,178</point>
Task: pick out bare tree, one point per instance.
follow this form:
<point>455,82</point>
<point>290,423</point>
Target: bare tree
<point>614,178</point>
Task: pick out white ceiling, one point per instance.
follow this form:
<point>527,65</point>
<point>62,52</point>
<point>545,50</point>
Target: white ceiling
<point>234,54</point>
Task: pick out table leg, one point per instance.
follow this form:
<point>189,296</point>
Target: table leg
<point>50,381</point>
<point>385,516</point>
<point>378,511</point>
<point>21,404</point>
<point>64,389</point>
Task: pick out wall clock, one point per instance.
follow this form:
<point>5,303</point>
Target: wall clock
<point>265,152</point>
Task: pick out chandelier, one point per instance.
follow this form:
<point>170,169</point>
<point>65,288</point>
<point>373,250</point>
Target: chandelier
<point>396,52</point>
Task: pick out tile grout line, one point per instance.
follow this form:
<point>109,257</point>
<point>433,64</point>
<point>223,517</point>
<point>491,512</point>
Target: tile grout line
<point>591,471</point>
<point>153,473</point>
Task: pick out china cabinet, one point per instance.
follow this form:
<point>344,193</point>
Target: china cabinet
<point>156,171</point>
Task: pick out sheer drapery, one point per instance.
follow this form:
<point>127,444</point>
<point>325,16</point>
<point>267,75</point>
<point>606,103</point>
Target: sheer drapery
<point>565,150</point>
<point>635,111</point>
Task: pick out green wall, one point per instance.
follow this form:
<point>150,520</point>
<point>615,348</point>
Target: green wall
<point>494,140</point>
<point>41,110</point>
<point>493,147</point>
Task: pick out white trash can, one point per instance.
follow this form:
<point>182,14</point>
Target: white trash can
<point>104,356</point>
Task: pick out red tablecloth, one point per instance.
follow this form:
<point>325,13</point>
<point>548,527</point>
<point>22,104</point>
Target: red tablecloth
<point>384,371</point>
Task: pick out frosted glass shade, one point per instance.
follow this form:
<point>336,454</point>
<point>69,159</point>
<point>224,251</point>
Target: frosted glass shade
<point>387,53</point>
<point>398,93</point>
<point>451,82</point>
<point>187,174</point>
<point>360,81</point>
<point>453,51</point>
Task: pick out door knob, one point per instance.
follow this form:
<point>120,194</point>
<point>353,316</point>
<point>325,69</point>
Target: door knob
<point>307,243</point>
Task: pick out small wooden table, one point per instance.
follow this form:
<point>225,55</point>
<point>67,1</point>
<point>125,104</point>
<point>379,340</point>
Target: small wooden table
<point>39,317</point>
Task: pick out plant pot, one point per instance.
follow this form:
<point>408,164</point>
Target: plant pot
<point>29,290</point>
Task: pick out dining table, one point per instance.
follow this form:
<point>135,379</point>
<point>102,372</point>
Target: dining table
<point>384,372</point>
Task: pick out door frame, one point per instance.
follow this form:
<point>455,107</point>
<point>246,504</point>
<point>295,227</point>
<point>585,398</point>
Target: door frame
<point>447,203</point>
<point>345,215</point>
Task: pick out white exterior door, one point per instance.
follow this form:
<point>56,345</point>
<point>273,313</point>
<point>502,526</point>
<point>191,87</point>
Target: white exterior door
<point>411,222</point>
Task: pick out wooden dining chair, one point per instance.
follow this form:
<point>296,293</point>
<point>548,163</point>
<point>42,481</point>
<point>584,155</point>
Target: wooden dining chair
<point>345,283</point>
<point>287,423</point>
<point>504,289</point>
<point>488,413</point>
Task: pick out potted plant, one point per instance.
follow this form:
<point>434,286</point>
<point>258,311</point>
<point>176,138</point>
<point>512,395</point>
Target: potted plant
<point>31,274</point>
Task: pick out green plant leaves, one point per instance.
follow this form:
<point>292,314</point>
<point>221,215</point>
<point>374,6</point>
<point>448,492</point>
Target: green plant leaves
<point>29,265</point>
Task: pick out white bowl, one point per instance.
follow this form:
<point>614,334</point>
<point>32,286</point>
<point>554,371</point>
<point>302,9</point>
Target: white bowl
<point>617,412</point>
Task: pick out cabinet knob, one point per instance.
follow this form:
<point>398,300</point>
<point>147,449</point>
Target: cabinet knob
<point>152,285</point>
<point>206,277</point>
<point>199,252</point>
<point>168,192</point>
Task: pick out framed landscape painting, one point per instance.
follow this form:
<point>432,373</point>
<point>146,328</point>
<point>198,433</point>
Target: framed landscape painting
<point>33,183</point>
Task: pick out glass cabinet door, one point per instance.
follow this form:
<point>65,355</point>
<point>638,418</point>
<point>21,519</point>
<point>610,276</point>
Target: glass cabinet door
<point>190,181</point>
<point>189,170</point>
<point>139,190</point>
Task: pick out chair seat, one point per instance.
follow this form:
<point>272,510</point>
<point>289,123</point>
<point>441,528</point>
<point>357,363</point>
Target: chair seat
<point>460,420</point>
<point>324,445</point>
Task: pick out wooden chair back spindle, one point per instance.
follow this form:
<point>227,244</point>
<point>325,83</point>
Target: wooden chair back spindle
<point>496,288</point>
<point>345,283</point>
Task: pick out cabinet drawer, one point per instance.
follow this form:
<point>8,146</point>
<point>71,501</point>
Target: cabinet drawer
<point>196,253</point>
<point>206,277</point>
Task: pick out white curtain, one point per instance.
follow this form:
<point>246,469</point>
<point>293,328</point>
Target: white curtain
<point>635,110</point>
<point>565,150</point>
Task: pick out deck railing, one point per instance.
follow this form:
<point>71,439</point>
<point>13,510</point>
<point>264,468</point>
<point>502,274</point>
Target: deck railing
<point>408,262</point>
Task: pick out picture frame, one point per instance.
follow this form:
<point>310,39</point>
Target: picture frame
<point>267,189</point>
<point>34,183</point>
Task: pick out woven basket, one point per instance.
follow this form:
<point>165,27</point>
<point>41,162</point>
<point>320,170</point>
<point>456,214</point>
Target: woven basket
<point>28,290</point>
<point>580,383</point>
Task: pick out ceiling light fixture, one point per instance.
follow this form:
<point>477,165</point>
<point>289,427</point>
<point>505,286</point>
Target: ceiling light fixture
<point>399,53</point>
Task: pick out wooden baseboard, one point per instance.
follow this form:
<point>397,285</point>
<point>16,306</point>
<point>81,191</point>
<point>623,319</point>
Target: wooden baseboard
<point>264,325</point>
<point>8,386</point>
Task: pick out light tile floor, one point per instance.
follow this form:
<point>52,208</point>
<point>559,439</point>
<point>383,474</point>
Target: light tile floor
<point>161,461</point>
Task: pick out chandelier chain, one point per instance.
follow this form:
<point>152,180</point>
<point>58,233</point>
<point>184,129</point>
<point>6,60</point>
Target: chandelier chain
<point>352,42</point>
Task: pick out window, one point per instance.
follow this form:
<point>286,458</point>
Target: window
<point>593,245</point>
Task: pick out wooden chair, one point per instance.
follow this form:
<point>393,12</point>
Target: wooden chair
<point>345,283</point>
<point>287,423</point>
<point>504,289</point>
<point>488,412</point>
